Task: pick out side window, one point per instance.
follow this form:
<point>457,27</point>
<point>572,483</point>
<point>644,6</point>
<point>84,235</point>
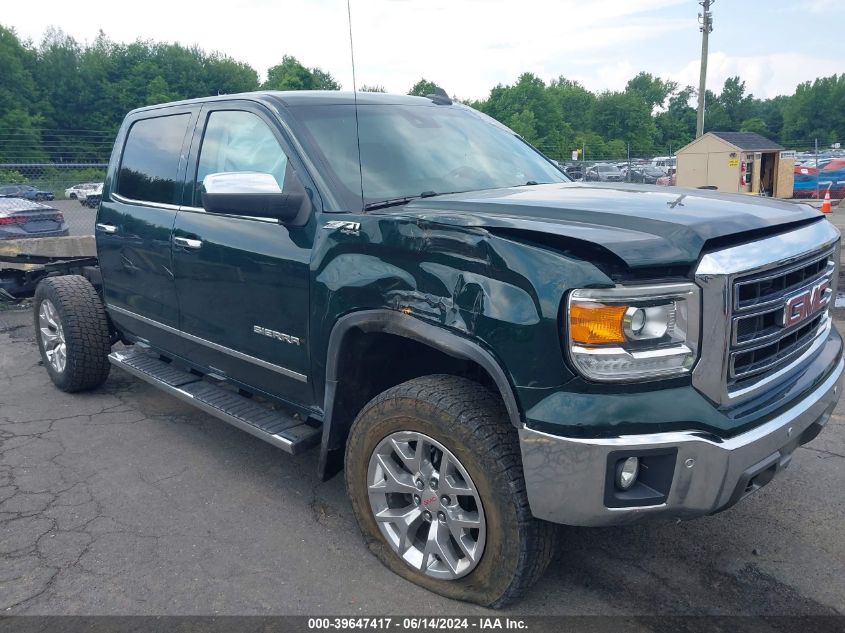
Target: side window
<point>150,160</point>
<point>236,140</point>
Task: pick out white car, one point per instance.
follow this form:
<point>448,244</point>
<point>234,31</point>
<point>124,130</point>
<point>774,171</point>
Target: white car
<point>94,188</point>
<point>664,162</point>
<point>79,191</point>
<point>92,198</point>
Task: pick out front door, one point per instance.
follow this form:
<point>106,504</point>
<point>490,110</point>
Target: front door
<point>242,282</point>
<point>134,222</point>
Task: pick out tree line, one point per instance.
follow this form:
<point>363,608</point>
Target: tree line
<point>62,101</point>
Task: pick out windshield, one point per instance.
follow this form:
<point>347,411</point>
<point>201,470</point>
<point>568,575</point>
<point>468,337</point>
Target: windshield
<point>410,150</point>
<point>610,168</point>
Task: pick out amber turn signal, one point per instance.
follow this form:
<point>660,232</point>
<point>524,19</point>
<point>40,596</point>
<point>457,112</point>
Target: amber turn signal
<point>596,323</point>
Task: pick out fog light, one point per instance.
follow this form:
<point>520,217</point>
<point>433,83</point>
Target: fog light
<point>626,472</point>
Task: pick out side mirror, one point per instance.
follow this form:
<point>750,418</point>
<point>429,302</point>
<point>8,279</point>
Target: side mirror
<point>251,193</point>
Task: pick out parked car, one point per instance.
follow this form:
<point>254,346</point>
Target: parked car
<point>667,180</point>
<point>482,362</point>
<point>21,218</point>
<point>72,193</point>
<point>604,173</point>
<point>27,192</point>
<point>664,162</point>
<point>804,182</point>
<point>82,195</point>
<point>833,177</point>
<point>92,197</point>
<point>647,175</point>
<point>574,171</point>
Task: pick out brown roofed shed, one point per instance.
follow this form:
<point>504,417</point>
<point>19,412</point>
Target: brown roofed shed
<point>743,162</point>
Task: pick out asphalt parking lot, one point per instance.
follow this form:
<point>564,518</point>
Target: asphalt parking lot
<point>79,219</point>
<point>127,501</point>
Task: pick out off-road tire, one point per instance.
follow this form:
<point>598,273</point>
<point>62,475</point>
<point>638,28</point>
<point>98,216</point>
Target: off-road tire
<point>472,423</point>
<point>86,332</point>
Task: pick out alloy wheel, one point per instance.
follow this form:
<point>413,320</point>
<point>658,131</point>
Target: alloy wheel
<point>52,335</point>
<point>426,505</point>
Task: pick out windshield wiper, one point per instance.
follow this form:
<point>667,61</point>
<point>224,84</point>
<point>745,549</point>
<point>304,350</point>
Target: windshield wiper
<point>395,202</point>
<point>390,202</point>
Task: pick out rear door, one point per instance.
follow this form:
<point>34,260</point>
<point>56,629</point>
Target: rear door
<point>134,223</point>
<point>242,282</point>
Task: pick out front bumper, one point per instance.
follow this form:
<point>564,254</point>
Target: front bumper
<point>567,478</point>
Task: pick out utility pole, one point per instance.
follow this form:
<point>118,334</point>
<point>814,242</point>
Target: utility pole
<point>706,20</point>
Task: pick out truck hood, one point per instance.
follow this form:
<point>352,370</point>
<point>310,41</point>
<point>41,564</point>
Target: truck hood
<point>642,225</point>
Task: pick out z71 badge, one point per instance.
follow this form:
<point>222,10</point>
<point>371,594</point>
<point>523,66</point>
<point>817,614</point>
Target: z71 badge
<point>349,228</point>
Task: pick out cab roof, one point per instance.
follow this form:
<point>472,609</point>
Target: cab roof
<point>303,98</point>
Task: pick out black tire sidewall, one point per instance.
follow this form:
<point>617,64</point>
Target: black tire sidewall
<point>492,576</point>
<point>86,332</point>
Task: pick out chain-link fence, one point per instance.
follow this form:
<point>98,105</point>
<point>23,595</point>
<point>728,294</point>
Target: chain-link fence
<point>819,166</point>
<point>64,186</point>
<point>585,164</point>
<point>50,167</point>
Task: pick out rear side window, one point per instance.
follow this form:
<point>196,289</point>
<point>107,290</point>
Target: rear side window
<point>151,156</point>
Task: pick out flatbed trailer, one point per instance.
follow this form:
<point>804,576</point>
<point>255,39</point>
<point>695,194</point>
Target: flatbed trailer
<point>23,263</point>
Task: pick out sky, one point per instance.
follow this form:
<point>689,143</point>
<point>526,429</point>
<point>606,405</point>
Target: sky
<point>469,46</point>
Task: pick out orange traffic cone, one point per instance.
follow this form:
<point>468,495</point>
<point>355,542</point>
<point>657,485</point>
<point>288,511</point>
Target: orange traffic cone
<point>826,203</point>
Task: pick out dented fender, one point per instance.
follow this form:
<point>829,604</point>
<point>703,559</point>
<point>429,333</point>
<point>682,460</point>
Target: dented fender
<point>500,292</point>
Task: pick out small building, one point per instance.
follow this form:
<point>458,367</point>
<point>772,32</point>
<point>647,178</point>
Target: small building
<point>736,162</point>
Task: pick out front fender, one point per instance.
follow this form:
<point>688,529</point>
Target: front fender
<point>461,290</point>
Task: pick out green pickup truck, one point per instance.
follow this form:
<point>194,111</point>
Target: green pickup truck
<point>484,347</point>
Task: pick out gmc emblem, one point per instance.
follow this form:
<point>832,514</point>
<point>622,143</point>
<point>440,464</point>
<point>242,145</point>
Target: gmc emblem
<point>801,307</point>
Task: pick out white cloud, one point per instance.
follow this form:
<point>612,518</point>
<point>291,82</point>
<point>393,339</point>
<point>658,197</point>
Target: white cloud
<point>765,75</point>
<point>817,6</point>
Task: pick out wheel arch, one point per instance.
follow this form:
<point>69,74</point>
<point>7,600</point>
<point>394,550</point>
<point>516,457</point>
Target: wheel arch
<point>432,337</point>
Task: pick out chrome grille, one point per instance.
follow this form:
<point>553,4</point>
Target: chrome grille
<point>771,288</point>
<point>760,341</point>
<point>747,344</point>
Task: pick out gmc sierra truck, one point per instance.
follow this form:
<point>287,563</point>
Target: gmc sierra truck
<point>484,347</point>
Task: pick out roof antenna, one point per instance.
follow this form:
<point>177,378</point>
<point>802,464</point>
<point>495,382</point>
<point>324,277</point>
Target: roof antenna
<point>355,98</point>
<point>439,97</point>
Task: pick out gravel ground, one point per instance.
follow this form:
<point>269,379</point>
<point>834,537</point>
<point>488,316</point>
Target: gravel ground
<point>127,501</point>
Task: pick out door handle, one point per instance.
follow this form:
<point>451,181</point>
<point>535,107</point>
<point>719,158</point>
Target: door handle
<point>107,228</point>
<point>186,242</point>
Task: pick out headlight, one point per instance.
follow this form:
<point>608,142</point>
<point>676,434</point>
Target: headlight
<point>634,332</point>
